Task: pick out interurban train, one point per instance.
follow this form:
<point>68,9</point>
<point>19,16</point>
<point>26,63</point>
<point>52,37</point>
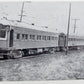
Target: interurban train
<point>16,41</point>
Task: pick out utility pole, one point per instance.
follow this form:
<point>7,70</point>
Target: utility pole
<point>22,12</point>
<point>68,28</point>
<point>75,21</point>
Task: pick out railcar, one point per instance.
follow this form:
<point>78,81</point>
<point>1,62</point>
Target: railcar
<point>76,42</point>
<point>16,41</point>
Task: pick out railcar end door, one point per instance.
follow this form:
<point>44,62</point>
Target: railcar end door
<point>11,38</point>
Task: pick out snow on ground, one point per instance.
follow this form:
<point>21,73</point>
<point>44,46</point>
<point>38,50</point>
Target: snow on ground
<point>57,66</point>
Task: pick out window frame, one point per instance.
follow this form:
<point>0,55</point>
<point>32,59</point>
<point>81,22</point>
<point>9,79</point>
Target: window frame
<point>5,36</point>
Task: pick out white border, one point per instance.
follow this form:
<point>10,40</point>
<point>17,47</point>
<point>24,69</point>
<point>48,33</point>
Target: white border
<point>41,0</point>
<point>44,82</point>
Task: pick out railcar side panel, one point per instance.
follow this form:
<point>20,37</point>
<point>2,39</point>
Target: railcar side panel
<point>29,43</point>
<point>76,41</point>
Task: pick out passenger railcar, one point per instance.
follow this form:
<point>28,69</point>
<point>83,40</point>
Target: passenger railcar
<point>18,41</point>
<point>76,42</point>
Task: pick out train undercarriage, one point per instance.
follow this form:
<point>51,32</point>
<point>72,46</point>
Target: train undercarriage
<point>11,54</point>
<point>6,54</point>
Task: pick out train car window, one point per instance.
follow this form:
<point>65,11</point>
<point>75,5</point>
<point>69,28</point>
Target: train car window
<point>55,38</point>
<point>26,36</point>
<point>44,37</point>
<point>71,39</point>
<point>38,37</point>
<point>52,38</point>
<point>48,37</point>
<point>18,36</point>
<point>23,36</point>
<point>2,33</point>
<point>74,39</point>
<point>32,37</point>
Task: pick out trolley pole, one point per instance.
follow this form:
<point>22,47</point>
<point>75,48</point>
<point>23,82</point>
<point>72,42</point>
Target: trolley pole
<point>68,28</point>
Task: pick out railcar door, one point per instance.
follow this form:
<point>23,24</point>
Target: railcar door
<point>62,40</point>
<point>11,38</point>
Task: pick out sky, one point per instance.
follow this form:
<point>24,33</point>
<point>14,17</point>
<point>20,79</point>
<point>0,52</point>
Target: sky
<point>52,14</point>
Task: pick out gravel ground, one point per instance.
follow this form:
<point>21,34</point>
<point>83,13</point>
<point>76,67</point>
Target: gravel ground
<point>56,66</point>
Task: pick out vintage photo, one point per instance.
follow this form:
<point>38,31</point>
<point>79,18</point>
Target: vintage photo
<point>41,41</point>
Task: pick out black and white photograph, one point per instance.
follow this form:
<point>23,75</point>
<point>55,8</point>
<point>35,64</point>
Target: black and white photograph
<point>41,41</point>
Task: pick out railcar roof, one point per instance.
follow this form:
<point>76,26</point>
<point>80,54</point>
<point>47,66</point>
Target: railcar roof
<point>40,30</point>
<point>34,27</point>
<point>28,26</point>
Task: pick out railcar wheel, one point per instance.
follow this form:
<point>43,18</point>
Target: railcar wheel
<point>25,52</point>
<point>6,57</point>
<point>16,54</point>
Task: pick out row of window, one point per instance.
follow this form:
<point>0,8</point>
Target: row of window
<point>39,37</point>
<point>75,39</point>
<point>33,37</point>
